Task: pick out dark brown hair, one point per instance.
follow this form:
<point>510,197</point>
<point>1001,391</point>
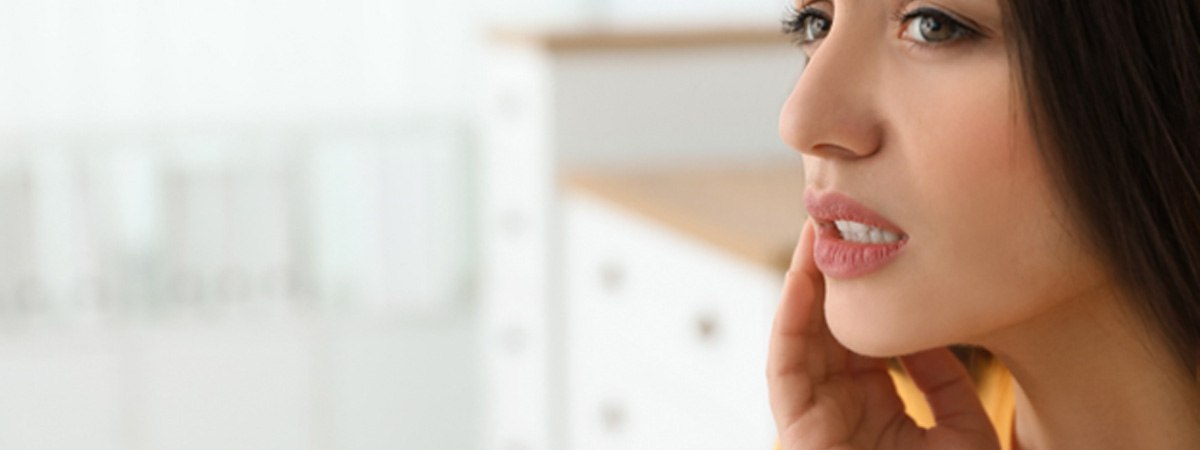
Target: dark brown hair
<point>1114,98</point>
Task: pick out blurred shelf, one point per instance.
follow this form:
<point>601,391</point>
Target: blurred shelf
<point>612,37</point>
<point>753,213</point>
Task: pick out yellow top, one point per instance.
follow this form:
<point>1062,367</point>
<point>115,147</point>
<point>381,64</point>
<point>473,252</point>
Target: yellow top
<point>995,389</point>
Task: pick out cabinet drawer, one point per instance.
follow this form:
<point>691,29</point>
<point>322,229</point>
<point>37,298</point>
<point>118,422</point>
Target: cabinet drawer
<point>666,337</point>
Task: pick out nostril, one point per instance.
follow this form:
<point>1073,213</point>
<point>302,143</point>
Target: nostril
<point>832,151</point>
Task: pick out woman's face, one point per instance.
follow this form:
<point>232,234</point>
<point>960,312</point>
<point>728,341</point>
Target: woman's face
<point>910,108</point>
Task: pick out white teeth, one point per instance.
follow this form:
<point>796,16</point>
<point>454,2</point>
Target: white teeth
<point>862,233</point>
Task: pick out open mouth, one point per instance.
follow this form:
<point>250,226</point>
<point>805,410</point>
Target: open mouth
<point>852,240</point>
<point>861,233</point>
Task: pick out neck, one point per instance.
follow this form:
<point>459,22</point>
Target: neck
<point>1088,377</point>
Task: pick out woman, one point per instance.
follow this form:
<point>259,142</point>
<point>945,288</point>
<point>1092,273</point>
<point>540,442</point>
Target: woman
<point>1018,175</point>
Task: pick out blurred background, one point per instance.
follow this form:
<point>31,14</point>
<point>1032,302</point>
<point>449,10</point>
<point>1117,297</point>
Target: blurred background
<point>391,224</point>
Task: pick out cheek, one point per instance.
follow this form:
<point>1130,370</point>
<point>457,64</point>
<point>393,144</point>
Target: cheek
<point>990,222</point>
<point>988,242</point>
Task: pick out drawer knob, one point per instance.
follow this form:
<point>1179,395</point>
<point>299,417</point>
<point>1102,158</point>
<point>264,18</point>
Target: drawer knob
<point>613,416</point>
<point>708,328</point>
<point>612,277</point>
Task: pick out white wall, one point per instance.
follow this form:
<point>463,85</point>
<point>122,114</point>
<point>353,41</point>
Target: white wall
<point>288,384</point>
<point>132,62</point>
<point>310,148</point>
<point>236,224</point>
<point>197,142</point>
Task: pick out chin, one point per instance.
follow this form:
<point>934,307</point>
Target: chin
<point>874,331</point>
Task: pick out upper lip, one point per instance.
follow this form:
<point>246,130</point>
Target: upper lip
<point>827,207</point>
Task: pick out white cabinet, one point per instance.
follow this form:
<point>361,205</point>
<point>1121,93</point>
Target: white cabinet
<point>582,98</point>
<point>666,336</point>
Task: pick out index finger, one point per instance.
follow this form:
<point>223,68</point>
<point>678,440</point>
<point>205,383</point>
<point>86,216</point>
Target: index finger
<point>795,355</point>
<point>802,258</point>
<point>803,281</point>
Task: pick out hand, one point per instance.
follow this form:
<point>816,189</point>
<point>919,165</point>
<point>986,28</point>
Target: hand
<point>824,396</point>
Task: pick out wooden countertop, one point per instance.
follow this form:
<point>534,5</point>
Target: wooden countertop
<point>600,36</point>
<point>753,213</point>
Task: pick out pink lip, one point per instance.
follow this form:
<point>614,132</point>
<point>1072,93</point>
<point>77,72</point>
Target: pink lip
<point>839,258</point>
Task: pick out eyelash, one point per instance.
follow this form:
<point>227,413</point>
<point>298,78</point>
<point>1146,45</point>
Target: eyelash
<point>795,22</point>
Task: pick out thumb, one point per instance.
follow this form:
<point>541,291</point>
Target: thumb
<point>950,392</point>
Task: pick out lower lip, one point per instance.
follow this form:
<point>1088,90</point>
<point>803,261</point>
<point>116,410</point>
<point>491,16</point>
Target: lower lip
<point>838,258</point>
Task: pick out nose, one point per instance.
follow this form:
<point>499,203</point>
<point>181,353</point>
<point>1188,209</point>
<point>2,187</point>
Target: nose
<point>833,110</point>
